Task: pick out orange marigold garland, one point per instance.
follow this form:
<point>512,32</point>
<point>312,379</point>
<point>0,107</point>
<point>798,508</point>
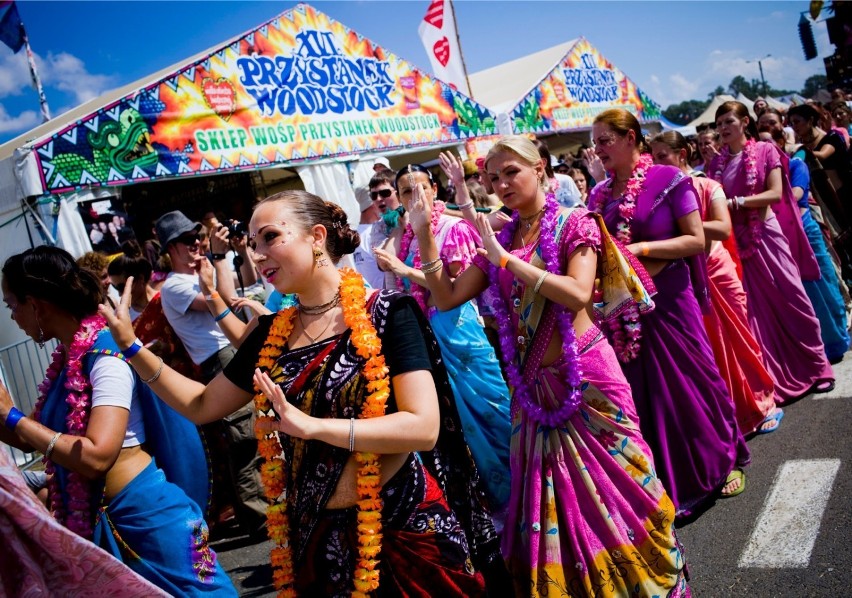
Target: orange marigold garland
<point>365,339</point>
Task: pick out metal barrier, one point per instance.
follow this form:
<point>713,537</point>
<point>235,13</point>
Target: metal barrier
<point>22,368</point>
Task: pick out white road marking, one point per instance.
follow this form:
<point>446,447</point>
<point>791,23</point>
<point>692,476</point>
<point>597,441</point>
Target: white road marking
<point>787,528</point>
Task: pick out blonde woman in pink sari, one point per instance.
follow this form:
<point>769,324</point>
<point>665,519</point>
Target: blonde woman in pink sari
<point>587,514</point>
<point>737,352</point>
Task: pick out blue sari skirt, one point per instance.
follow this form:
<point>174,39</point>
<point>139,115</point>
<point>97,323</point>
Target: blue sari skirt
<point>482,398</point>
<point>156,530</point>
<point>825,295</point>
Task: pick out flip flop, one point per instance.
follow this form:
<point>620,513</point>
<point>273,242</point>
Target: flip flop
<point>774,417</point>
<point>735,474</point>
<point>823,387</point>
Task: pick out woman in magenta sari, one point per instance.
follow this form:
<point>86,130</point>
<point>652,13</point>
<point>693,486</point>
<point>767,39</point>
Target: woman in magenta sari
<point>587,514</point>
<point>737,352</point>
<point>685,410</point>
<point>775,255</point>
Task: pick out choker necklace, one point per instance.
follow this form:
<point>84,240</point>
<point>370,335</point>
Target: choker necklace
<point>315,310</point>
<point>528,220</point>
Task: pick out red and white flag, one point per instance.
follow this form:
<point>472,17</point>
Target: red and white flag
<point>440,38</point>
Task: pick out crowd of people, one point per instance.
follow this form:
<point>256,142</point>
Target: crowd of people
<point>534,370</point>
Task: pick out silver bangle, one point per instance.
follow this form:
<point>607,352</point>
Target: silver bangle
<point>432,268</point>
<point>51,445</point>
<point>540,281</point>
<point>430,264</point>
<point>351,434</point>
<point>464,206</point>
<point>156,375</point>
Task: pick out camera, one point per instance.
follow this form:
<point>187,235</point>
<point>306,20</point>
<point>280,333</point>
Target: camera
<point>236,229</point>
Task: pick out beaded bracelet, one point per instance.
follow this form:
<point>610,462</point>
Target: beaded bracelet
<point>133,349</point>
<point>13,417</point>
<point>222,315</point>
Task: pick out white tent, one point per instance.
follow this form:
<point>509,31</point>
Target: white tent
<point>709,115</point>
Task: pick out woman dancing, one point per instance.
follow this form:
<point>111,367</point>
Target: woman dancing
<point>370,484</point>
<point>666,354</point>
<point>124,471</point>
<point>775,255</point>
<point>585,500</point>
<point>737,352</point>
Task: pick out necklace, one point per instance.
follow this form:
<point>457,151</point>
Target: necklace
<point>353,295</point>
<point>535,235</point>
<point>523,396</point>
<point>312,338</point>
<point>315,310</point>
<point>528,220</point>
<point>77,514</point>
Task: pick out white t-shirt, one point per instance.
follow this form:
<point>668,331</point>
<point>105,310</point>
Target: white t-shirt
<point>567,193</point>
<point>113,386</point>
<point>196,329</point>
<point>365,260</point>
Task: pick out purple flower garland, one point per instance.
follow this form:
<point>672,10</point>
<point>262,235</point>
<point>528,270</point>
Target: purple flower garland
<point>569,371</point>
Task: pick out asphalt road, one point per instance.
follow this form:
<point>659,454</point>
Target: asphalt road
<point>789,534</point>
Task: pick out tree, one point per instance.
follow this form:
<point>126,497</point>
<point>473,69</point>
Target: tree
<point>813,84</point>
<point>685,112</point>
<point>716,92</point>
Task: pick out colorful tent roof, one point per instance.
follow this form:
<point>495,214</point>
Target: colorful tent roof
<point>301,87</point>
<point>560,89</point>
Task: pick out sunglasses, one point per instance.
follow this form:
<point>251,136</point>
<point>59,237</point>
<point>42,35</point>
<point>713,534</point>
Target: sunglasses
<point>188,240</point>
<point>383,193</point>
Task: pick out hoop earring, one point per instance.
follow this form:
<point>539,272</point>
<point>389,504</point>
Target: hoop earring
<point>319,258</point>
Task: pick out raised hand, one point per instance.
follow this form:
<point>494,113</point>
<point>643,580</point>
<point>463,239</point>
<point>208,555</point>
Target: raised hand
<point>492,249</point>
<point>256,307</point>
<point>119,318</point>
<point>452,167</point>
<point>293,421</point>
<point>594,165</point>
<point>420,209</point>
<point>220,240</point>
<point>205,275</point>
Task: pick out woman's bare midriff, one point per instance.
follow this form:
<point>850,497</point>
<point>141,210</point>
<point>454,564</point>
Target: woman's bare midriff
<point>346,495</point>
<point>582,322</point>
<point>130,463</point>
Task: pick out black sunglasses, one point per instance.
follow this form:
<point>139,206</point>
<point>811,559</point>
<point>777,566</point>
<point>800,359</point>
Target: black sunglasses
<point>188,240</point>
<point>383,193</point>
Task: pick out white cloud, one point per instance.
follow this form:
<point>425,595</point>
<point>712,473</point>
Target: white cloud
<point>68,73</point>
<point>24,121</point>
<point>14,73</point>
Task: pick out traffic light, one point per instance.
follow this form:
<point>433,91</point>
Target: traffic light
<point>806,34</point>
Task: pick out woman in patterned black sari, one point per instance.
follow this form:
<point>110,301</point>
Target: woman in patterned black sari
<point>420,511</point>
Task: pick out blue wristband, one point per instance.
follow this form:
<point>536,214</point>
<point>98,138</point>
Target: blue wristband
<point>222,315</point>
<point>13,418</point>
<point>133,349</point>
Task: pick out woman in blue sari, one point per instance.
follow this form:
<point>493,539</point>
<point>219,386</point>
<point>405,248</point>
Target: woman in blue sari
<point>125,471</point>
<point>482,397</point>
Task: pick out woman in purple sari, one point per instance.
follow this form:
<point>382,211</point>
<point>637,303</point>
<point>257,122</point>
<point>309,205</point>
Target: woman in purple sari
<point>685,410</point>
<point>775,255</point>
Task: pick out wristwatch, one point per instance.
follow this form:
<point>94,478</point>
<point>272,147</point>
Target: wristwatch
<point>217,257</point>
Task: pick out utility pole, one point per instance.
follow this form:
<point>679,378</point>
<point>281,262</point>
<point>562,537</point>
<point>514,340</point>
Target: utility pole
<point>759,62</point>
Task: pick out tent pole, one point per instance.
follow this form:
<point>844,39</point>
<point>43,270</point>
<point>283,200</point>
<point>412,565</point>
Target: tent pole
<point>461,53</point>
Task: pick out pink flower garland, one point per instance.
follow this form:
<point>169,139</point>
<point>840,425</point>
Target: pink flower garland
<point>755,224</point>
<point>569,371</point>
<point>78,516</point>
<point>417,291</point>
<point>626,329</point>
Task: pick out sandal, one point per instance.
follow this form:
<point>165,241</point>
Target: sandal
<point>823,387</point>
<point>734,475</point>
<point>774,418</point>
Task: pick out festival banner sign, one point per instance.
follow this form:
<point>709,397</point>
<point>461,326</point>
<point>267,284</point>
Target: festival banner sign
<point>300,88</point>
<point>580,87</point>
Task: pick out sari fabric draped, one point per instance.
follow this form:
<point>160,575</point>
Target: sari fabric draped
<point>779,312</point>
<point>154,524</point>
<point>685,410</point>
<point>737,352</point>
<point>588,515</point>
<point>437,530</point>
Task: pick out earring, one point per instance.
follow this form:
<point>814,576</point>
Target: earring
<point>40,339</point>
<point>319,258</point>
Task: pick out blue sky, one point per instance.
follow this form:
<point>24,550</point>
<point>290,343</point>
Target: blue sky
<point>673,50</point>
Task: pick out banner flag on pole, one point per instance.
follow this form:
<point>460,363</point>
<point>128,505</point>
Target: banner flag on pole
<point>11,27</point>
<point>440,38</point>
